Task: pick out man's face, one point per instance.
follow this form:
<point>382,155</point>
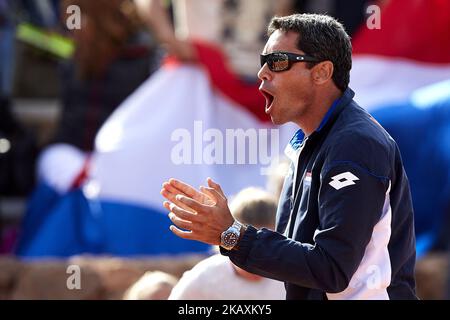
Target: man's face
<point>288,93</point>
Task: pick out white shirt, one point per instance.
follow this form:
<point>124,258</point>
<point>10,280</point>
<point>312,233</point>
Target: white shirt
<point>215,279</point>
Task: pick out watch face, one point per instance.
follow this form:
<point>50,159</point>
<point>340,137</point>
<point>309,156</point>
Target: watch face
<point>230,238</point>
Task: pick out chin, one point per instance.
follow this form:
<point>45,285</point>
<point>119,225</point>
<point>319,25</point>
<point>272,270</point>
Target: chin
<point>277,121</point>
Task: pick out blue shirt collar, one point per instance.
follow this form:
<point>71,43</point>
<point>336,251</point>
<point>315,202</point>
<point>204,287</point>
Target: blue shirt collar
<point>297,140</point>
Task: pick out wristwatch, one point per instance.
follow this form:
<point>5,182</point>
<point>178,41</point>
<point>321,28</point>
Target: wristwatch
<point>230,237</point>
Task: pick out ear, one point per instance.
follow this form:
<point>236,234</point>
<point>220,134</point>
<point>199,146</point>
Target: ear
<point>322,72</point>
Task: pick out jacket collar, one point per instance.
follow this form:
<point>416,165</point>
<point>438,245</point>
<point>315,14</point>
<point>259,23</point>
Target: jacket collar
<point>335,109</point>
<point>330,117</point>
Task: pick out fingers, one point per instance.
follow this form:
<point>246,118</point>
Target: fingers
<point>194,205</point>
<point>182,219</point>
<point>169,192</point>
<point>184,188</point>
<point>173,187</point>
<point>182,234</point>
<point>178,187</point>
<point>180,223</point>
<point>216,187</point>
<point>212,193</point>
<point>181,213</point>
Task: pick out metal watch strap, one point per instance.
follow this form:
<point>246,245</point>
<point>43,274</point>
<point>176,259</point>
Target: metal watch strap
<point>237,225</point>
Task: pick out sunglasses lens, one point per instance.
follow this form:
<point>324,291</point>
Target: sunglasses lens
<point>279,62</point>
<point>276,61</point>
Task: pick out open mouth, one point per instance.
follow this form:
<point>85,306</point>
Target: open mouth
<point>269,99</point>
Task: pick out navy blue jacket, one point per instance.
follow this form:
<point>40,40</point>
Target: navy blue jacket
<point>345,226</point>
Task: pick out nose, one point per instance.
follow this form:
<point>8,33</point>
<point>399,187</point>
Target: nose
<point>264,73</point>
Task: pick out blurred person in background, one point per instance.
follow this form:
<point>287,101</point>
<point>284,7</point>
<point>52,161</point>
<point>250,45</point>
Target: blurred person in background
<point>17,144</point>
<point>18,147</point>
<point>217,278</point>
<point>111,61</point>
<point>153,285</point>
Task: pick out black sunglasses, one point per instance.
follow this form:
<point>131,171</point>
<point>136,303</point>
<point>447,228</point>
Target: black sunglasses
<point>281,61</point>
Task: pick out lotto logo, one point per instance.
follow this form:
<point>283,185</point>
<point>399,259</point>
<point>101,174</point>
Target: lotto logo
<point>343,180</point>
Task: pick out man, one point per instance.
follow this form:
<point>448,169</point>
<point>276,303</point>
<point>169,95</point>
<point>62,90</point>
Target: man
<point>345,220</point>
